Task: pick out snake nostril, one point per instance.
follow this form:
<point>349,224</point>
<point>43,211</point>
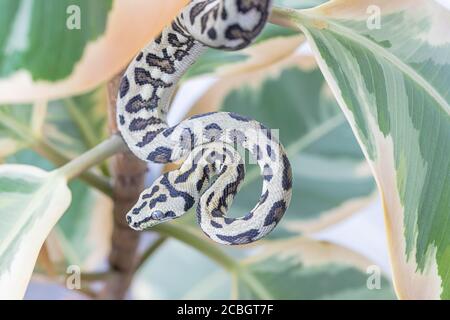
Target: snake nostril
<point>128,219</point>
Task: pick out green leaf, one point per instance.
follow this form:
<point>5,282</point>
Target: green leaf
<point>392,84</point>
<point>67,127</point>
<point>20,126</point>
<point>212,60</point>
<point>30,158</point>
<point>160,277</point>
<point>294,269</point>
<point>83,232</point>
<point>330,175</point>
<point>34,35</point>
<point>31,202</point>
<point>273,31</point>
<point>45,54</point>
<point>310,270</point>
<point>77,124</point>
<point>10,141</point>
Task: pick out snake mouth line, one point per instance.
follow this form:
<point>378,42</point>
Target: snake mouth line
<point>145,223</point>
<point>142,225</point>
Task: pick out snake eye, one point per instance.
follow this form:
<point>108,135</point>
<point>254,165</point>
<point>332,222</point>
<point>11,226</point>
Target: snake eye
<point>157,215</point>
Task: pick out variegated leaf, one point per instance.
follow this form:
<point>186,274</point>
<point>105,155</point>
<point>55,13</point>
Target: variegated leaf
<point>20,126</point>
<point>57,48</point>
<point>12,141</point>
<point>273,44</point>
<point>298,268</point>
<point>31,202</point>
<point>77,124</point>
<point>388,64</point>
<point>82,235</point>
<point>332,180</point>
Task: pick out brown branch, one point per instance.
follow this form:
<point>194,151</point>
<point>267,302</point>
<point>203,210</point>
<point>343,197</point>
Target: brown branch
<point>128,174</point>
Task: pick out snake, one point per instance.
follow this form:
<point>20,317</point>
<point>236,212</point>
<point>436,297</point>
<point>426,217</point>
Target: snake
<point>208,145</point>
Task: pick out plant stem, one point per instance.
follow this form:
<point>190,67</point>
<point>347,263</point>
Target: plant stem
<point>85,128</point>
<point>96,276</point>
<point>94,156</point>
<point>38,117</point>
<point>211,250</point>
<point>284,17</point>
<point>39,145</point>
<point>89,136</point>
<point>17,128</point>
<point>97,181</point>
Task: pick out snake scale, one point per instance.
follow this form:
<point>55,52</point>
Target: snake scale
<point>212,170</point>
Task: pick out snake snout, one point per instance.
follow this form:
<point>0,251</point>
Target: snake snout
<point>136,222</point>
<point>132,222</point>
<point>148,220</point>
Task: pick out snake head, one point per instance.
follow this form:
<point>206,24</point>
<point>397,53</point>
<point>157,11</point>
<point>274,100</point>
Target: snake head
<point>155,205</point>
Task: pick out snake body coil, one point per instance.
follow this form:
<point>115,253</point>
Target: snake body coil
<point>213,170</point>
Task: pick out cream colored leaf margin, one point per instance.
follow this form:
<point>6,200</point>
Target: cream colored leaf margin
<point>305,253</point>
<point>311,253</point>
<point>31,202</point>
<point>406,136</point>
<point>131,24</point>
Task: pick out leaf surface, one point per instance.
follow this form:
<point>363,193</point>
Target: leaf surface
<point>31,202</point>
<point>392,82</point>
<point>41,58</point>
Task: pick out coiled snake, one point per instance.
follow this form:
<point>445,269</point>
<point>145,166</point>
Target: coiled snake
<point>213,170</point>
